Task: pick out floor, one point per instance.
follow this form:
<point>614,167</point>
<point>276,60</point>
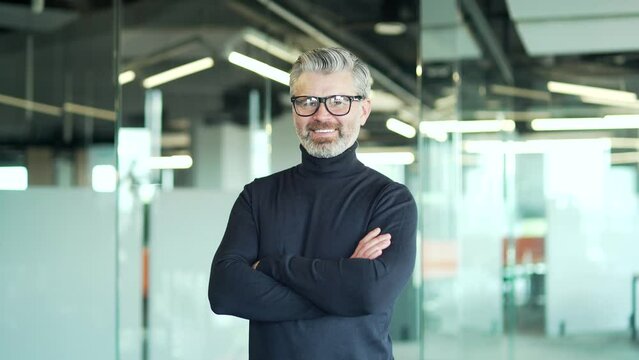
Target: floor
<point>615,346</point>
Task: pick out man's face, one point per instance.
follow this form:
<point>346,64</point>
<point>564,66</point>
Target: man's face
<point>323,134</point>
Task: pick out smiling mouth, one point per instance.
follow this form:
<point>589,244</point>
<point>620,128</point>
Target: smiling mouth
<point>323,131</point>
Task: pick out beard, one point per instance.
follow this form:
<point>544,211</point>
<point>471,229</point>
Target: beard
<point>327,148</point>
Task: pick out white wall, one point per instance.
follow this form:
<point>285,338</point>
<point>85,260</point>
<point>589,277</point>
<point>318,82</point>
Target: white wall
<point>57,268</point>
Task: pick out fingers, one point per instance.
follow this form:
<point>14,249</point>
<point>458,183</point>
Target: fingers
<point>371,235</point>
<point>373,248</point>
<point>371,245</point>
<point>367,238</point>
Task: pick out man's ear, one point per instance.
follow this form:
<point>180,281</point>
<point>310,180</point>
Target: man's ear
<point>366,111</point>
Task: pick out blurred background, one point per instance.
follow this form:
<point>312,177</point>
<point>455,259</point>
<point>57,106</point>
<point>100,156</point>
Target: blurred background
<point>129,127</point>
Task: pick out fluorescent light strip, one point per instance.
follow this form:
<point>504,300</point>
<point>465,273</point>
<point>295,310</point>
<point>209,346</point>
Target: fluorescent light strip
<point>259,67</point>
<point>609,122</point>
<point>610,102</point>
<point>387,158</point>
<point>469,126</point>
<point>590,91</point>
<point>401,128</point>
<point>170,162</point>
<point>89,111</point>
<point>625,143</point>
<point>126,77</point>
<point>178,72</point>
<point>272,47</point>
<point>390,28</point>
<point>624,158</point>
<point>30,105</point>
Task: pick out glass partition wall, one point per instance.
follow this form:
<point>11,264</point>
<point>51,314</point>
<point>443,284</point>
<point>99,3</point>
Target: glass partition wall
<point>527,184</point>
<point>57,180</point>
<point>529,200</point>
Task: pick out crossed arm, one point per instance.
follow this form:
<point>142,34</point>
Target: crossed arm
<point>295,288</point>
<point>369,247</point>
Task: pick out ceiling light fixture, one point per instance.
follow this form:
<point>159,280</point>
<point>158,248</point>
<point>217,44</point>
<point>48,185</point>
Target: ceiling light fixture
<point>259,67</point>
<point>401,128</point>
<point>126,77</point>
<point>610,102</point>
<point>624,158</point>
<point>178,72</point>
<point>390,28</point>
<point>271,46</point>
<point>590,91</point>
<point>608,122</point>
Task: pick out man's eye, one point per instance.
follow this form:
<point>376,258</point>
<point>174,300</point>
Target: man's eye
<point>302,102</point>
<point>338,100</point>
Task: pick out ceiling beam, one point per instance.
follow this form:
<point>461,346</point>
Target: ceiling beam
<point>489,40</point>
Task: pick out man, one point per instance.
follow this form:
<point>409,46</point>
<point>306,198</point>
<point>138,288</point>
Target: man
<point>307,255</point>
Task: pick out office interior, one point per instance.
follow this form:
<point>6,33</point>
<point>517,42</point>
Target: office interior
<point>129,127</point>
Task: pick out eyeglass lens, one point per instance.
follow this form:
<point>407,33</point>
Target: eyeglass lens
<point>336,105</point>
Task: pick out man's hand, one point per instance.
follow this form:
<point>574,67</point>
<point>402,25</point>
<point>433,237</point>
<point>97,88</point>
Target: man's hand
<point>371,245</point>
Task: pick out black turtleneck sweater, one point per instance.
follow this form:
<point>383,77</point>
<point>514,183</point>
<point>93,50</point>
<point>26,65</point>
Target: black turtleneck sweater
<point>307,300</point>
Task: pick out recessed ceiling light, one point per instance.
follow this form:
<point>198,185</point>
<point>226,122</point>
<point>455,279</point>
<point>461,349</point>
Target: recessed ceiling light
<point>390,28</point>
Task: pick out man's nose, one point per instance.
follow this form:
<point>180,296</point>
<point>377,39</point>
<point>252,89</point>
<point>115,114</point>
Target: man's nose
<point>322,112</point>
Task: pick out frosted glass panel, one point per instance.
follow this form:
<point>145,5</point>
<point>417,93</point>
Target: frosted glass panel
<point>57,267</point>
<point>592,238</point>
<point>186,228</point>
<point>482,228</point>
<point>130,282</point>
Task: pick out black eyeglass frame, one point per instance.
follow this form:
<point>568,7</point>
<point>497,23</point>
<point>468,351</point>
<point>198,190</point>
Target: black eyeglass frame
<point>321,100</point>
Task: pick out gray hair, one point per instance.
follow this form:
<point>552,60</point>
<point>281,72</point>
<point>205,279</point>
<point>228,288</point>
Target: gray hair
<point>331,60</point>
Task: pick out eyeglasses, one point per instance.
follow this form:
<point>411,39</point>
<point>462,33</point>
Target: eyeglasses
<point>337,105</point>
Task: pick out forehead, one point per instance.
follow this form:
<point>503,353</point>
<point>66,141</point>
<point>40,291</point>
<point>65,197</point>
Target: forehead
<point>321,84</point>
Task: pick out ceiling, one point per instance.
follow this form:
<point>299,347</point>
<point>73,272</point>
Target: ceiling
<point>490,42</point>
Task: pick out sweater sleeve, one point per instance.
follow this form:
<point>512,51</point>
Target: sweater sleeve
<point>354,287</point>
<point>235,288</point>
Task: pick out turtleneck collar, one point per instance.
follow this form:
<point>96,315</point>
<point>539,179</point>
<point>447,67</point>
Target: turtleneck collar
<point>341,165</point>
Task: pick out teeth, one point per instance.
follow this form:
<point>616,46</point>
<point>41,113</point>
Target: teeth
<point>324,130</point>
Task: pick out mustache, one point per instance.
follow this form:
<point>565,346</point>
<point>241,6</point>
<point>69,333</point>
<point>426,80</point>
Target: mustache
<point>313,127</point>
